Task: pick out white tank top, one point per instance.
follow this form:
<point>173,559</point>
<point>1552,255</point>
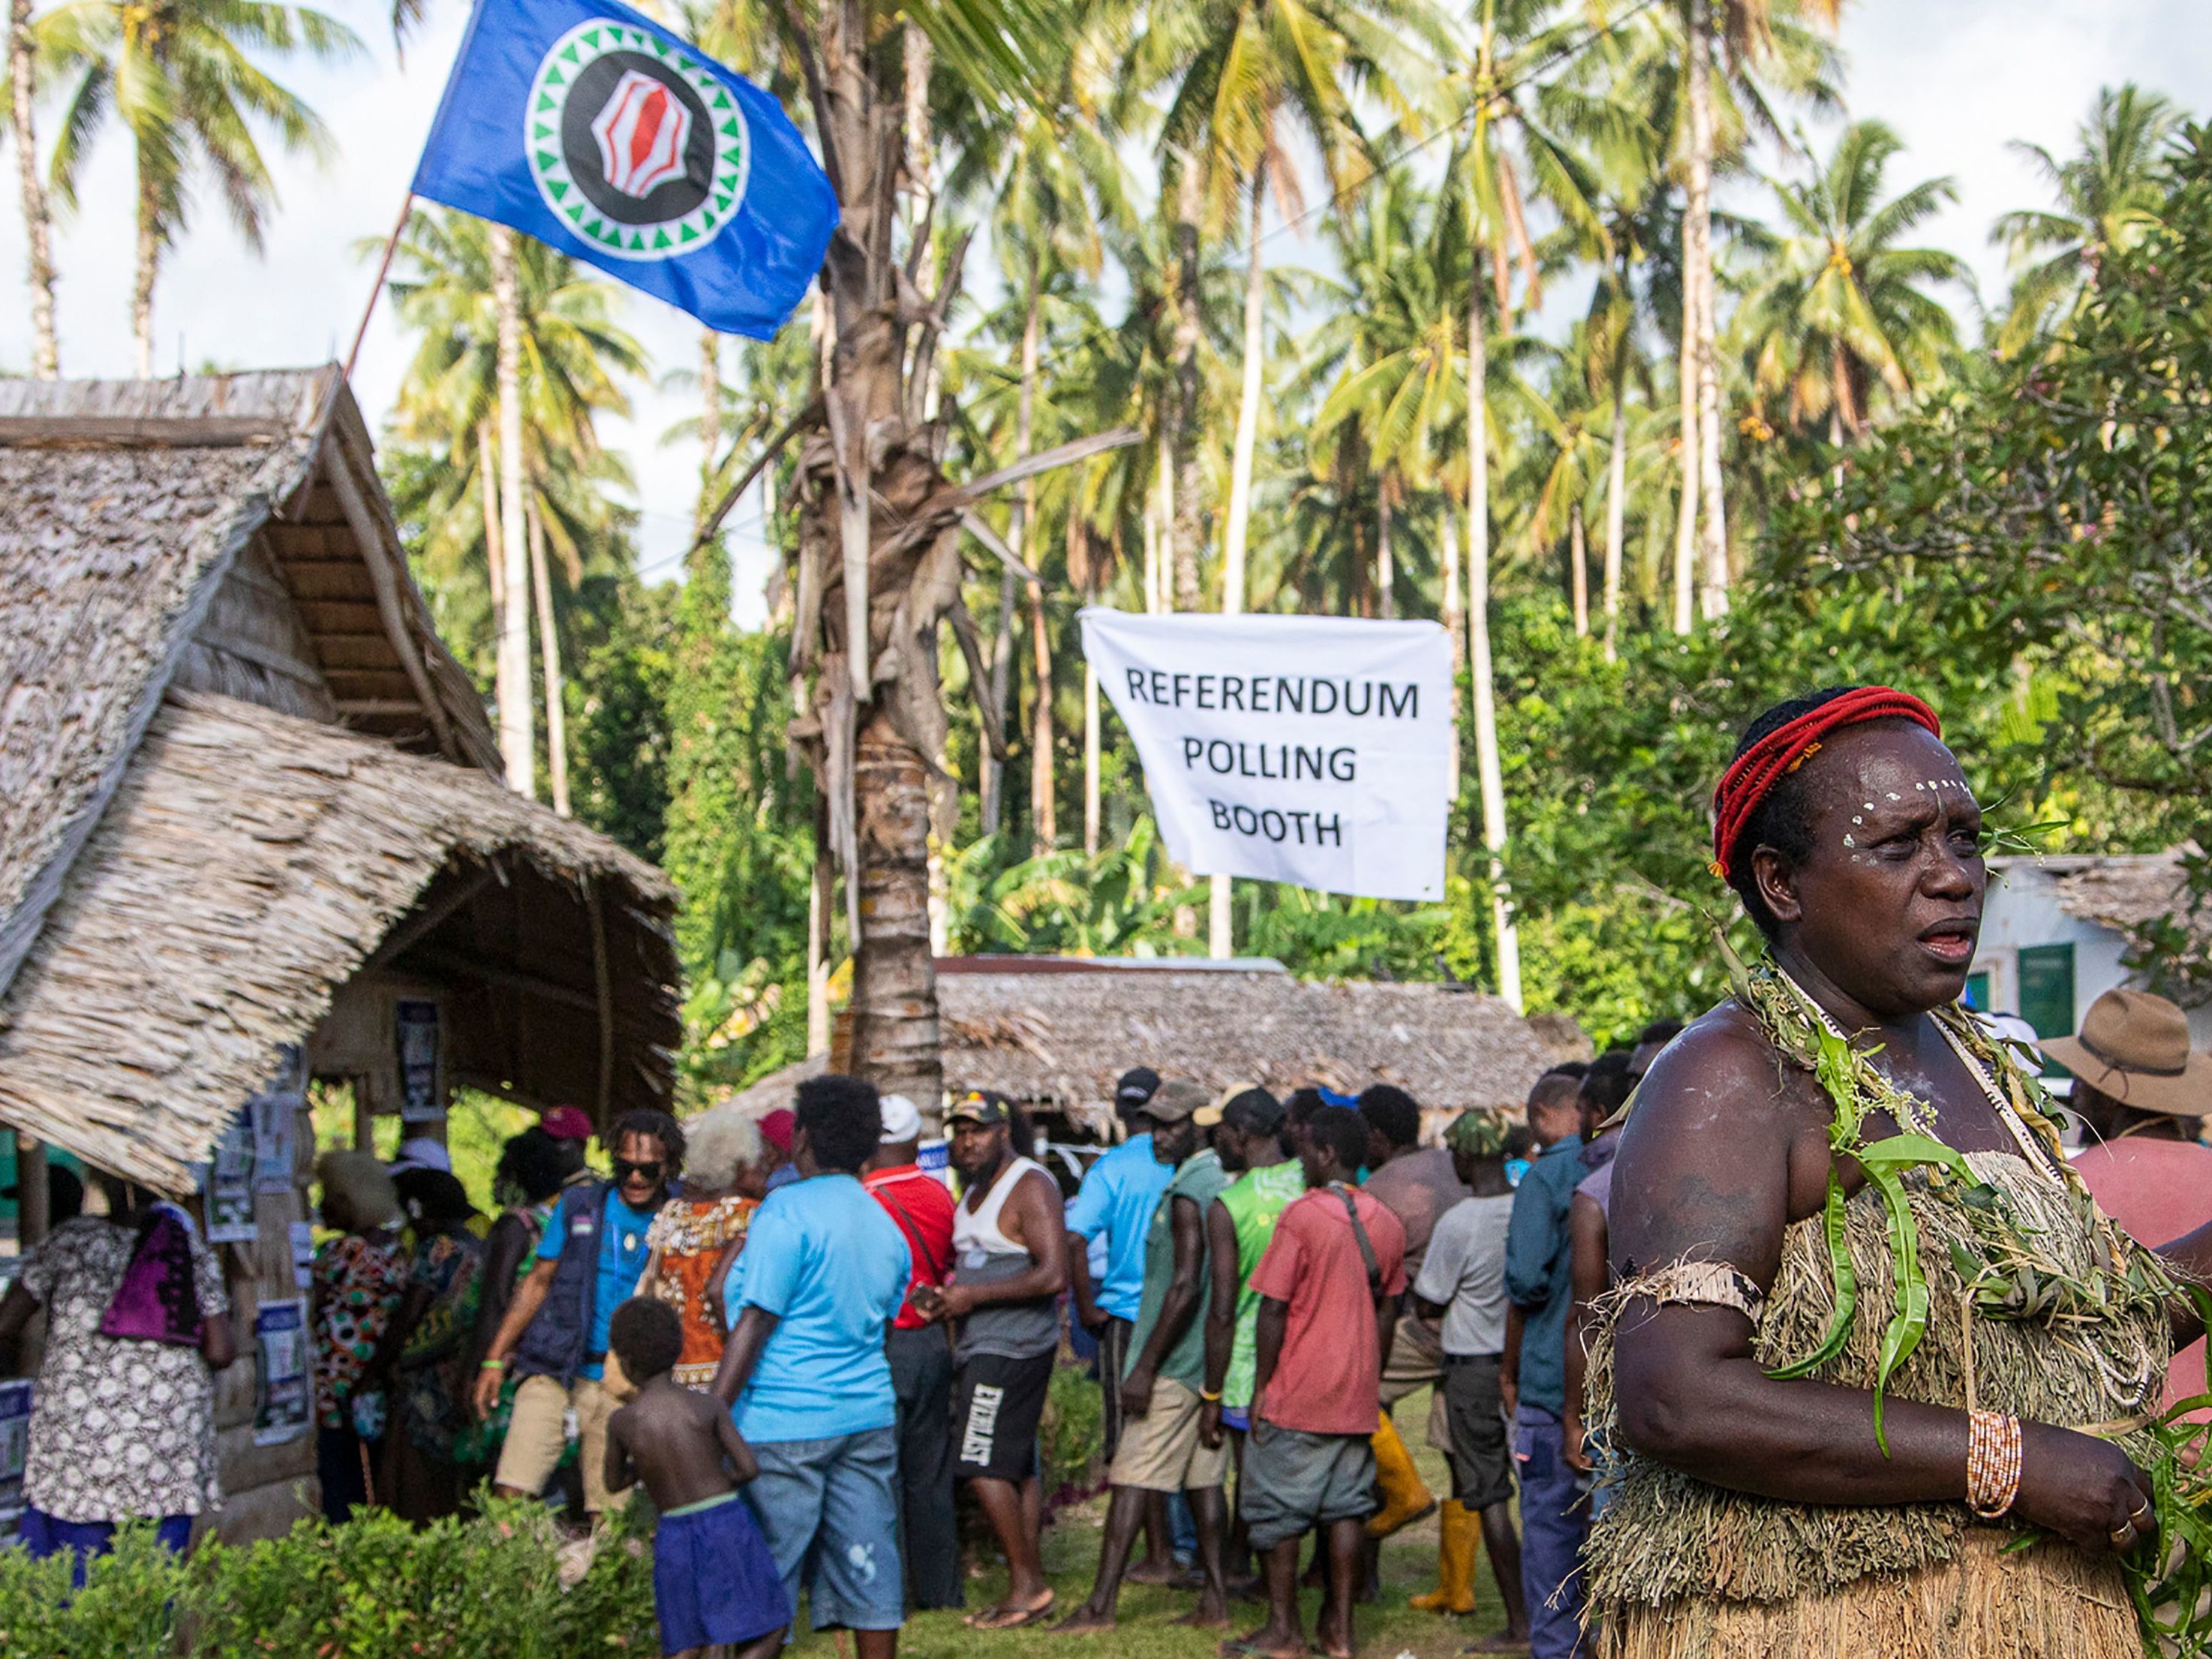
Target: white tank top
<point>976,1235</point>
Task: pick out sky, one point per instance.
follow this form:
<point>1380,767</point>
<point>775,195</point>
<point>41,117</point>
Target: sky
<point>1958,79</point>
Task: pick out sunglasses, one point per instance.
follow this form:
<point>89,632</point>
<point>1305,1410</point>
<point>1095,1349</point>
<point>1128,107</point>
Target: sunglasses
<point>624,1170</point>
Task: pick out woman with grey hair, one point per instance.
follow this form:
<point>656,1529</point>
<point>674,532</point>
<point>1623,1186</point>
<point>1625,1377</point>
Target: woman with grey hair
<point>697,1232</point>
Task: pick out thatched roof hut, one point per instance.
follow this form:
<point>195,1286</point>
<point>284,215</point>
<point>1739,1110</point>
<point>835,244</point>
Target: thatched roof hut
<point>1055,1033</point>
<point>244,781</point>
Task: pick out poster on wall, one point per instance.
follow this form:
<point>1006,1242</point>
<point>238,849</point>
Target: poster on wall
<point>282,1404</point>
<point>15,1447</point>
<point>420,1099</point>
<point>272,1114</point>
<point>230,1186</point>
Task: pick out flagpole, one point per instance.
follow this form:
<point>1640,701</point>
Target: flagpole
<point>383,269</point>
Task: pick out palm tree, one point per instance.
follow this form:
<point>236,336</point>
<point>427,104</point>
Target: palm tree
<point>177,73</point>
<point>1759,34</point>
<point>1841,314</point>
<point>1239,68</point>
<point>879,524</point>
<point>37,219</point>
<point>1055,187</point>
<point>527,335</point>
<point>1508,140</point>
<point>2108,195</point>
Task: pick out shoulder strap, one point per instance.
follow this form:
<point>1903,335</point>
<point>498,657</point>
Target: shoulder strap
<point>1366,1245</point>
<point>908,1225</point>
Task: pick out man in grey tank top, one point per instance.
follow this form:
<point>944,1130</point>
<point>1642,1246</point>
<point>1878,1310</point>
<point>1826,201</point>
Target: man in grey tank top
<point>1009,1265</point>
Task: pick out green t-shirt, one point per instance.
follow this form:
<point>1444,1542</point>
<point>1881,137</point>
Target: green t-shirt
<point>1254,1201</point>
<point>1199,1178</point>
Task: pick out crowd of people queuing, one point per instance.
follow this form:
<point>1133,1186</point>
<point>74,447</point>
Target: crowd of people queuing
<point>805,1346</point>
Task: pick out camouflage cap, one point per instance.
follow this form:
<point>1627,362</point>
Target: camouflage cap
<point>1479,1134</point>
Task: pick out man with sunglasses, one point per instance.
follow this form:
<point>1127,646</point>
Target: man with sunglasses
<point>555,1334</point>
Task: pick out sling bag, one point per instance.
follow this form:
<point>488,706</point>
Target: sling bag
<point>1367,1246</point>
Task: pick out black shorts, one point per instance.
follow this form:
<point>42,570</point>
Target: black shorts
<point>1481,1452</point>
<point>1113,1360</point>
<point>997,1404</point>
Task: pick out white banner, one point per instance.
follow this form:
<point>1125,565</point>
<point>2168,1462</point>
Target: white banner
<point>1311,750</point>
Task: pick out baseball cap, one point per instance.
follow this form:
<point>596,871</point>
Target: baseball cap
<point>1248,1107</point>
<point>1179,1099</point>
<point>1137,1085</point>
<point>978,1106</point>
<point>566,1123</point>
<point>420,1152</point>
<point>776,1127</point>
<point>901,1119</point>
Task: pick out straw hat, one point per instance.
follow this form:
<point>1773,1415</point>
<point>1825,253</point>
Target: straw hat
<point>2135,1047</point>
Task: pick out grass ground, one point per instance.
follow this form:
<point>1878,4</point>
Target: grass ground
<point>1147,1630</point>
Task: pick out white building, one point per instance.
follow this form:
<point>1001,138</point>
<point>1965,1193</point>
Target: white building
<point>2054,934</point>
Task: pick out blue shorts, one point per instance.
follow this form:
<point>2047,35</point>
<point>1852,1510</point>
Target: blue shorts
<point>45,1535</point>
<point>830,1510</point>
<point>713,1578</point>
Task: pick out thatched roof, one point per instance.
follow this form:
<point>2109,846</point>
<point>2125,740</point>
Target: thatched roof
<point>2123,890</point>
<point>1060,1038</point>
<point>250,863</point>
<point>128,510</point>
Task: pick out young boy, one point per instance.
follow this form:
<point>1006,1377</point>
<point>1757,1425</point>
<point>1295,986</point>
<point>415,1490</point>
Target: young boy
<point>715,1585</point>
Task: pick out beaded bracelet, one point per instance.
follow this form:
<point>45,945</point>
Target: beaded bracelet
<point>1992,1463</point>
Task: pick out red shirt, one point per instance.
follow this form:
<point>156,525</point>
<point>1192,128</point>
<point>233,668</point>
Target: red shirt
<point>922,1206</point>
<point>1328,1378</point>
<point>2157,1190</point>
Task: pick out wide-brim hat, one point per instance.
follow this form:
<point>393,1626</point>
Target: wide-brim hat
<point>2133,1046</point>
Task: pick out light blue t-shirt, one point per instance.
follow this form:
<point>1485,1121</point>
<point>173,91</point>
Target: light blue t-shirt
<point>827,1260</point>
<point>621,1259</point>
<point>1115,1203</point>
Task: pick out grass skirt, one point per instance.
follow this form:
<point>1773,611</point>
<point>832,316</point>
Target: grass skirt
<point>2048,1602</point>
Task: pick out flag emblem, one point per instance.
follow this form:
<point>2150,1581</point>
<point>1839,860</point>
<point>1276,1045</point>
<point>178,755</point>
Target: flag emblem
<point>633,144</point>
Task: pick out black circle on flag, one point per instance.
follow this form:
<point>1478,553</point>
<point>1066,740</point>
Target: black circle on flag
<point>635,145</point>
<point>637,140</point>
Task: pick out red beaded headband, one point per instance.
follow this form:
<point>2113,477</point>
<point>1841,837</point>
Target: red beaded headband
<point>1753,774</point>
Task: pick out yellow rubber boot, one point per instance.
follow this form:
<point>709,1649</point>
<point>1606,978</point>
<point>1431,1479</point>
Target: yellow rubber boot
<point>1405,1499</point>
<point>1458,1530</point>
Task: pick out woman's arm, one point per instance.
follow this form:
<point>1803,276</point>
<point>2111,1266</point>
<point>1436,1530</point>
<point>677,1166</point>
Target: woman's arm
<point>1586,1246</point>
<point>1705,1175</point>
<point>2190,1256</point>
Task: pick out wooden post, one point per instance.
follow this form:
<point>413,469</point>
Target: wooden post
<point>32,1216</point>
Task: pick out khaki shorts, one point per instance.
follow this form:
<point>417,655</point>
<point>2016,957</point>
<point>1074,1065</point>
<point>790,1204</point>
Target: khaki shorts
<point>1161,1451</point>
<point>1417,1361</point>
<point>538,1432</point>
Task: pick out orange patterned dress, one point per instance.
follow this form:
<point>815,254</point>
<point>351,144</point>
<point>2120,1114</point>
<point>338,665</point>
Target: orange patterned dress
<point>689,1236</point>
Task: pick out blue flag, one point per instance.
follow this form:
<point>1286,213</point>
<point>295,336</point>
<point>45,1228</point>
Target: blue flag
<point>594,130</point>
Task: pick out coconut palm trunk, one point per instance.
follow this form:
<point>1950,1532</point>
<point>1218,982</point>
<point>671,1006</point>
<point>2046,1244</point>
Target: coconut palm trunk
<point>1616,514</point>
<point>710,415</point>
<point>494,557</point>
<point>1044,828</point>
<point>1092,792</point>
<point>148,265</point>
<point>1385,567</point>
<point>517,740</point>
<point>1579,570</point>
<point>38,223</point>
<point>1685,507</point>
<point>1220,928</point>
<point>1697,274</point>
<point>549,657</point>
<point>1187,536</point>
<point>1490,773</point>
<point>1455,628</point>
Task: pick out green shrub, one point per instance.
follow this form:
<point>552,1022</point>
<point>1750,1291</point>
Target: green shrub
<point>484,1588</point>
<point>1073,1430</point>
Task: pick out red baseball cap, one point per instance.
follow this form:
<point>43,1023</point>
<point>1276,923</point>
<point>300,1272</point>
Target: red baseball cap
<point>566,1123</point>
<point>775,1128</point>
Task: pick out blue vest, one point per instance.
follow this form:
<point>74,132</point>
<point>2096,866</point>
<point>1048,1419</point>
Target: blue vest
<point>553,1342</point>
